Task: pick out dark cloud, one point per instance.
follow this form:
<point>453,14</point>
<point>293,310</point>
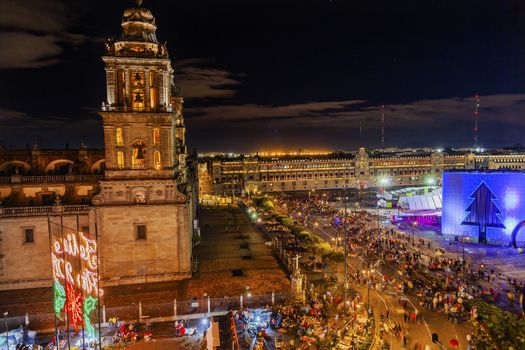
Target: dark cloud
<point>198,79</point>
<point>28,50</point>
<point>43,16</point>
<point>10,115</point>
<point>443,116</point>
<point>288,115</point>
<point>34,34</point>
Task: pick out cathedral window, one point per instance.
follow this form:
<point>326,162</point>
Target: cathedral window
<point>138,98</point>
<point>141,232</point>
<point>138,160</point>
<point>29,234</point>
<point>137,93</point>
<point>156,136</point>
<point>118,137</point>
<point>156,159</point>
<point>120,159</point>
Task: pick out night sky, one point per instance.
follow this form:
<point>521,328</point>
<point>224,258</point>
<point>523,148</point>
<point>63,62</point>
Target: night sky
<point>277,74</point>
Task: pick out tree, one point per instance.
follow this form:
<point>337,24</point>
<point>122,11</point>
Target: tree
<point>483,212</point>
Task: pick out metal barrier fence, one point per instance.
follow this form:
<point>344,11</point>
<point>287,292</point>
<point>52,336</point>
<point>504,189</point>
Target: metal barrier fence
<point>154,312</point>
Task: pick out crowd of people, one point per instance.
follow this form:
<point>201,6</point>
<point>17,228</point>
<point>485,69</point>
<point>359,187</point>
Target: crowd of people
<point>442,282</point>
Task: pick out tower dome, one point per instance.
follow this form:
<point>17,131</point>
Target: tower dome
<point>138,24</point>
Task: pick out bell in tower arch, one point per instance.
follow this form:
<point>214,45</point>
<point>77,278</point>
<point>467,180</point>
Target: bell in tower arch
<point>139,98</point>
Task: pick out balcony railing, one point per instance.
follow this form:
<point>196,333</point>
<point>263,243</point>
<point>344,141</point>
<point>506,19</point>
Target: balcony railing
<point>25,211</point>
<point>108,108</point>
<point>49,178</point>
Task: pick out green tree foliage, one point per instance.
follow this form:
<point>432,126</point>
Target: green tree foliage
<point>263,202</point>
<point>497,329</point>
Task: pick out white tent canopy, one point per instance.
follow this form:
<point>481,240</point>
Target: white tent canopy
<point>421,203</point>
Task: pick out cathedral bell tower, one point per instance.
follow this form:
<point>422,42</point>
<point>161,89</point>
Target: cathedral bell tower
<point>141,112</point>
<point>145,191</point>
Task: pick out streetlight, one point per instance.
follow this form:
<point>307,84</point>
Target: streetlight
<point>345,245</point>
<point>463,243</point>
<point>414,225</point>
<point>7,330</point>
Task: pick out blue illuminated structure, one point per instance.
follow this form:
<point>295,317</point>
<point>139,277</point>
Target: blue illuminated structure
<point>485,206</point>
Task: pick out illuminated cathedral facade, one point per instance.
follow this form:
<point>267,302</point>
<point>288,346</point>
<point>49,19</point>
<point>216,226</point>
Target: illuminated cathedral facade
<point>138,194</point>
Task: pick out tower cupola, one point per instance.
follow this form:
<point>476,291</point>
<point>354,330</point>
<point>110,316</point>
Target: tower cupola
<point>138,24</point>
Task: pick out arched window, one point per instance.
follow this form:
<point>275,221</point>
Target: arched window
<point>137,92</point>
<point>120,159</point>
<point>138,156</point>
<point>156,159</point>
<point>118,137</point>
<point>156,137</point>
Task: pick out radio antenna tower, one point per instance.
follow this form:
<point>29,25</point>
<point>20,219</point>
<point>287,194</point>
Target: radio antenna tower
<point>476,120</point>
<point>382,126</point>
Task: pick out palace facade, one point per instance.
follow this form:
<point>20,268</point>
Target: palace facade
<point>138,194</point>
<point>234,175</point>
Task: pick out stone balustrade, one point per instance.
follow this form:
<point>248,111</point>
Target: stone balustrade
<point>14,179</point>
<point>43,210</point>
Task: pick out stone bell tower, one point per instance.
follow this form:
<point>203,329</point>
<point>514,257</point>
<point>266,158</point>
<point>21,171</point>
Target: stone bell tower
<point>144,209</point>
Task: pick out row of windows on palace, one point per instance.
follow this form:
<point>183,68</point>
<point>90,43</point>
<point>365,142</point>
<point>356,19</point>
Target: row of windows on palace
<point>325,184</point>
<point>326,165</point>
<point>28,233</point>
<point>138,154</point>
<point>390,162</point>
<point>332,175</point>
<point>506,160</point>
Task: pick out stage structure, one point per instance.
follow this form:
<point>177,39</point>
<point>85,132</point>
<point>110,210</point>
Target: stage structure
<point>76,292</point>
<point>487,207</point>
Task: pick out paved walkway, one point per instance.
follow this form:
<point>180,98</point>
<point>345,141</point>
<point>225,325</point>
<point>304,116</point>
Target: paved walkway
<point>231,243</point>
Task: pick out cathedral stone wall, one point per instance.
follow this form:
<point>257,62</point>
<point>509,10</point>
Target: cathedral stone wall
<point>23,264</point>
<point>163,255</point>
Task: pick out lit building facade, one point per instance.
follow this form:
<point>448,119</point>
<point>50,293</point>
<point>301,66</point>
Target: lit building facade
<point>138,194</point>
<point>254,172</point>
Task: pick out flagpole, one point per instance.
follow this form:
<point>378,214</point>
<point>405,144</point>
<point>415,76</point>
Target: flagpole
<point>80,287</point>
<point>98,283</point>
<point>52,279</point>
<point>65,277</point>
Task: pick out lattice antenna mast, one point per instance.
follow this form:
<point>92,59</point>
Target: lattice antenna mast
<point>476,120</point>
<point>382,126</point>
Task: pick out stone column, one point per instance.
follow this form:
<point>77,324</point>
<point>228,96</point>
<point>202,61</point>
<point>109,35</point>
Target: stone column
<point>128,96</point>
<point>146,88</point>
<point>166,147</point>
<point>162,87</point>
<point>150,148</point>
<point>127,146</point>
<point>110,85</point>
<point>109,145</point>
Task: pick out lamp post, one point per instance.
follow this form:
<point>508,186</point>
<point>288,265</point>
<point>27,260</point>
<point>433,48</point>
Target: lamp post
<point>345,246</point>
<point>7,330</point>
<point>463,244</point>
<point>414,225</point>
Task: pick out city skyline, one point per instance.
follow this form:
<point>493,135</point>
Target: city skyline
<point>290,76</point>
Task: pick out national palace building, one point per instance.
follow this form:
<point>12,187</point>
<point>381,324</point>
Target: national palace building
<point>237,174</point>
<point>138,194</point>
